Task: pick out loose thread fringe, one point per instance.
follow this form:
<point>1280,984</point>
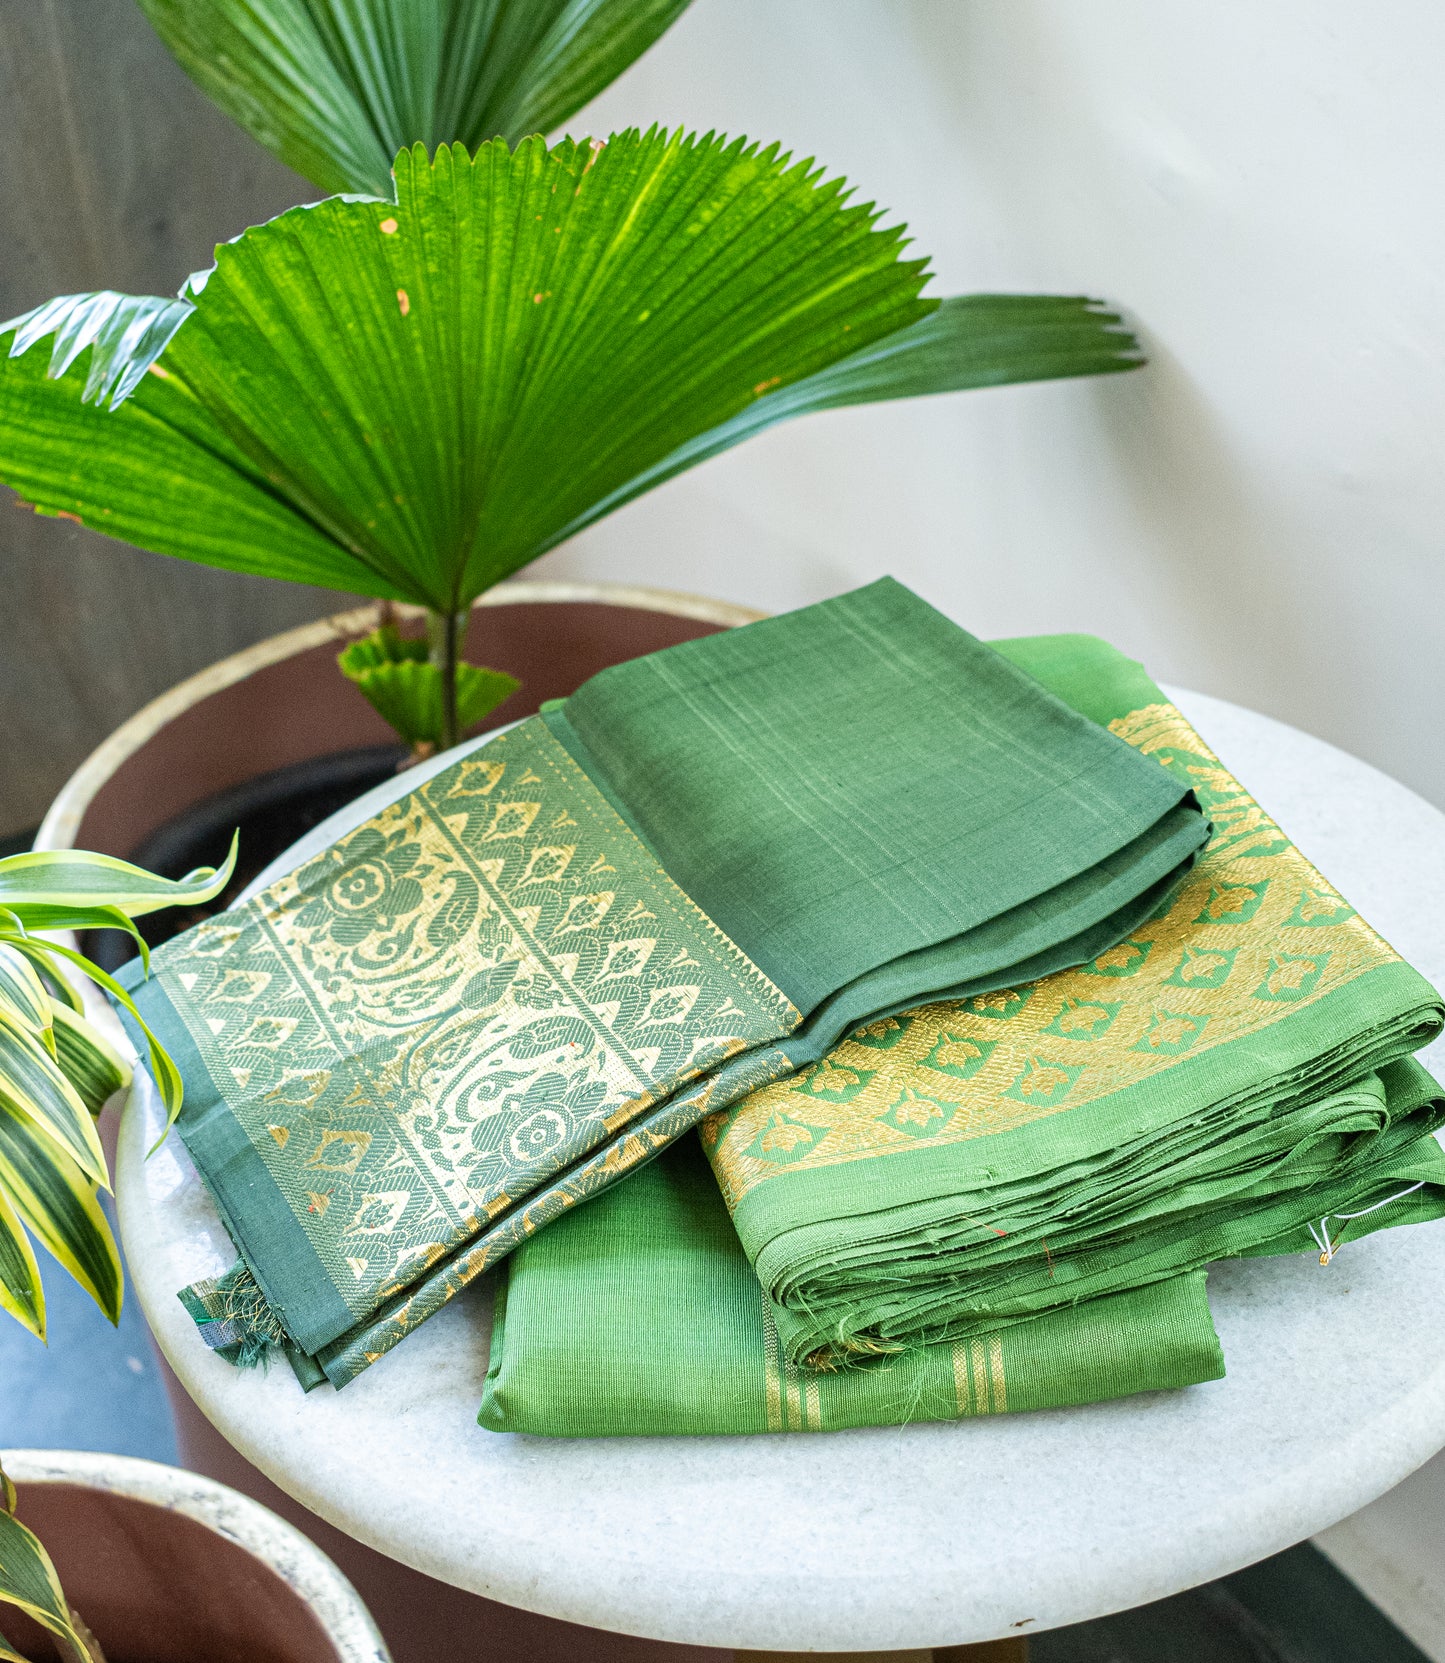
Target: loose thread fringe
<point>255,1326</point>
<point>234,1318</point>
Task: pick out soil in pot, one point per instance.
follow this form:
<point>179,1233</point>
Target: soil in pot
<point>270,812</point>
<point>155,1586</point>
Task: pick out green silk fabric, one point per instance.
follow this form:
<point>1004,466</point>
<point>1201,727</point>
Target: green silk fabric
<point>1006,1202</point>
<point>1235,1071</point>
<point>522,980</point>
<point>641,1315</point>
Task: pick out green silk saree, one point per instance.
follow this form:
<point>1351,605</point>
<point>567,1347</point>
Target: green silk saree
<point>1234,1071</point>
<point>523,979</point>
<point>1006,1201</point>
<point>640,1314</point>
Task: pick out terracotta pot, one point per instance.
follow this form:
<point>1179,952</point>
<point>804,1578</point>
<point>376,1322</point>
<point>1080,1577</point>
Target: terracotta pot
<point>168,1567</point>
<point>283,701</point>
<point>271,707</point>
<point>423,1620</point>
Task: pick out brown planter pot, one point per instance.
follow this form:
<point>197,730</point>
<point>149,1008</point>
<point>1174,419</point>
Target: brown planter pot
<point>281,702</point>
<point>166,1567</point>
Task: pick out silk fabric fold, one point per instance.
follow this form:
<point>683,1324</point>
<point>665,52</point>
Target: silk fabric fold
<point>1236,1069</point>
<point>642,1315</point>
<point>1007,1201</point>
<point>518,982</point>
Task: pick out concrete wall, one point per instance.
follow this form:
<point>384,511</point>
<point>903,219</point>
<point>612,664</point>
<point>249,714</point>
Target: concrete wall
<point>1259,514</point>
<point>114,173</point>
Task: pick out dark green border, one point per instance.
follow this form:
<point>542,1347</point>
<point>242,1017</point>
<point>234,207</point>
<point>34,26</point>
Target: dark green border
<point>299,1288</point>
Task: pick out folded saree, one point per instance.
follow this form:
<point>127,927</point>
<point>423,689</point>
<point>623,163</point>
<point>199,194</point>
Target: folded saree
<point>521,980</point>
<point>1003,1203</point>
<point>640,1314</point>
<point>1232,1077</point>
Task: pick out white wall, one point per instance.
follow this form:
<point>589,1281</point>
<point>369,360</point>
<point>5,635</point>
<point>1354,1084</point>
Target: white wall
<point>1261,512</point>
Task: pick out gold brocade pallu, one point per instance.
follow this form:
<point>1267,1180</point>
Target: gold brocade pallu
<point>693,878</point>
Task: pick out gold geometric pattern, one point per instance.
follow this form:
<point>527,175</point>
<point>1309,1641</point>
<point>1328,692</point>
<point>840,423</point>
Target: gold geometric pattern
<point>1254,933</point>
<point>457,1005</point>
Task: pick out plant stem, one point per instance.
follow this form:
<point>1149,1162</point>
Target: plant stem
<point>92,1652</point>
<point>444,641</point>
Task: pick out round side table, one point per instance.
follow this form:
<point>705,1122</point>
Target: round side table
<point>887,1539</point>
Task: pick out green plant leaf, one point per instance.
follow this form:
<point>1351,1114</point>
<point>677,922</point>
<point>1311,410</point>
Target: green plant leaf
<point>970,341</point>
<point>57,1070</point>
<point>23,996</point>
<point>44,917</point>
<point>27,1577</point>
<point>414,400</point>
<point>28,1583</point>
<point>35,1090</point>
<point>57,1204</point>
<point>163,1069</point>
<point>125,334</point>
<point>405,688</point>
<point>59,986</point>
<point>77,884</point>
<point>87,1059</point>
<point>336,87</point>
<point>21,1291</point>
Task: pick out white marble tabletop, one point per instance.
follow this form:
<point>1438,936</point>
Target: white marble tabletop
<point>891,1537</point>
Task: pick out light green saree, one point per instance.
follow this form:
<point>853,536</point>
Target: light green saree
<point>1234,1070</point>
<point>641,1314</point>
<point>1006,1201</point>
<point>519,982</point>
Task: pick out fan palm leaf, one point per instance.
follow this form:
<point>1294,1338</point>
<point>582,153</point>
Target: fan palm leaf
<point>335,88</point>
<point>413,398</point>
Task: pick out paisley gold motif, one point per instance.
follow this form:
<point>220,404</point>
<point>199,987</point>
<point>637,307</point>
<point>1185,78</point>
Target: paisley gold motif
<point>476,992</point>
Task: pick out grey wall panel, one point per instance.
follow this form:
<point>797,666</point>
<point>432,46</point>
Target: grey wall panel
<point>114,173</point>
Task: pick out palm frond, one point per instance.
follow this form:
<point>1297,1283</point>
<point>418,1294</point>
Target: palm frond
<point>336,88</point>
<point>414,399</point>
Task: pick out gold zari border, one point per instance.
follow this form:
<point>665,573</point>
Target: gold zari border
<point>1252,936</point>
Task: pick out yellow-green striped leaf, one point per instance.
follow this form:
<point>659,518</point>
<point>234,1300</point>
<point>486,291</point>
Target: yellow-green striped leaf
<point>34,1088</point>
<point>87,1059</point>
<point>59,986</point>
<point>75,880</point>
<point>21,1293</point>
<point>57,1204</point>
<point>30,919</point>
<point>23,995</point>
<point>163,1070</point>
<point>57,1070</point>
<point>29,1583</point>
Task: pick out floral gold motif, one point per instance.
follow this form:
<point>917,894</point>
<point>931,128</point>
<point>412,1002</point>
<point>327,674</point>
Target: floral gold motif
<point>477,991</point>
